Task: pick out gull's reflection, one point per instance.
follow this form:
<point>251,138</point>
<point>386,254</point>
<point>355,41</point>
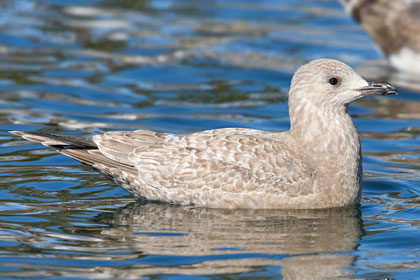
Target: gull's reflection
<point>306,244</point>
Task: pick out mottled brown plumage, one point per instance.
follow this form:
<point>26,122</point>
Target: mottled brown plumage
<point>316,164</point>
<point>394,25</point>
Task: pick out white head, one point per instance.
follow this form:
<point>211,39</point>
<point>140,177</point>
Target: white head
<point>329,82</point>
<point>327,85</point>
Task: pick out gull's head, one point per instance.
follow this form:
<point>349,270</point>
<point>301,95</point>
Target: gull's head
<point>329,83</point>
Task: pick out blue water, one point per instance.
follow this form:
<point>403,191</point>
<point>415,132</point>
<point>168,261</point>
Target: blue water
<point>85,67</point>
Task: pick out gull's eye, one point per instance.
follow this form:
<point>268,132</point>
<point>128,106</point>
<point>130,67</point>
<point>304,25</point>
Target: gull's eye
<point>333,81</point>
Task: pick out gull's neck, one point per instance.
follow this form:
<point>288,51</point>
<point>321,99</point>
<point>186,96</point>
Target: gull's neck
<point>322,127</point>
<point>327,137</point>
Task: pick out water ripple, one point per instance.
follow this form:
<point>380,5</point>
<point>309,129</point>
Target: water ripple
<point>84,67</point>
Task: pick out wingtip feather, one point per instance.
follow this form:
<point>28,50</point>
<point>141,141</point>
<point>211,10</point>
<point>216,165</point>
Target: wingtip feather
<point>17,132</point>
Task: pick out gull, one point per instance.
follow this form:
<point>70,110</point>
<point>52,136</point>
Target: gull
<point>394,25</point>
<point>316,164</point>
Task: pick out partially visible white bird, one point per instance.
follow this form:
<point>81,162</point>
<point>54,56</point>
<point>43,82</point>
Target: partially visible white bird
<point>316,164</point>
<point>394,25</point>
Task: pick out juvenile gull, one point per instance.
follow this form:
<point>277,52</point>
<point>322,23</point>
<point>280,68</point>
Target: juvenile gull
<point>316,164</point>
<point>394,25</point>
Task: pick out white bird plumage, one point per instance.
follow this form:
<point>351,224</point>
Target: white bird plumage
<point>316,164</point>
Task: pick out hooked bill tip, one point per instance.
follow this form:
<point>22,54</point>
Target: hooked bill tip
<point>378,88</point>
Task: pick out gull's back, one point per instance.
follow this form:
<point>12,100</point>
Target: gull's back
<point>226,168</point>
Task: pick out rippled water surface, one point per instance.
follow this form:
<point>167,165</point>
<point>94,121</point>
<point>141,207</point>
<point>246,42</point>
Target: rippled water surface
<point>85,67</point>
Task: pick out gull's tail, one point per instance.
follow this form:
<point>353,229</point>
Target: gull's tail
<point>56,141</point>
<point>81,150</point>
<point>85,151</point>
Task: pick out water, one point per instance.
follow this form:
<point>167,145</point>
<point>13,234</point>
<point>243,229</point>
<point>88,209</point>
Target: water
<point>85,67</point>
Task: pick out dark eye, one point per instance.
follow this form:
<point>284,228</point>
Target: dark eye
<point>333,81</point>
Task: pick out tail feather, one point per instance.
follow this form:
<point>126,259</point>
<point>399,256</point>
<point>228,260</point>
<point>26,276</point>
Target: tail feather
<point>97,160</point>
<point>56,141</point>
<point>85,151</point>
